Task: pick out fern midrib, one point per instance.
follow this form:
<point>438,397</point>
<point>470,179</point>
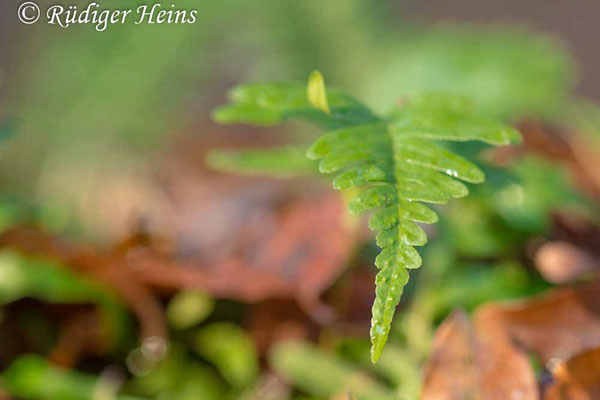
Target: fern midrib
<point>378,328</point>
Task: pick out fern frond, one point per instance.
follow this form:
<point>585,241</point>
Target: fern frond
<point>393,160</point>
<point>276,162</point>
<point>271,103</point>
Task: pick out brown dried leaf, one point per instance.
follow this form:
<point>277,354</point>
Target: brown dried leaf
<point>475,363</point>
<point>489,360</point>
<point>306,245</point>
<point>578,378</point>
<point>554,326</point>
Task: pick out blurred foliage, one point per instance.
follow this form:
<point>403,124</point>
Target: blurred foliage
<point>508,71</point>
<point>187,309</point>
<point>539,188</point>
<point>321,374</point>
<point>231,350</point>
<point>397,367</point>
<point>32,377</point>
<point>179,377</point>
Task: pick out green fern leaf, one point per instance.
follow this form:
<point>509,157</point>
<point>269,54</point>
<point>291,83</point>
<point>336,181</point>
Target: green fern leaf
<point>394,161</point>
<point>276,162</point>
<point>271,103</point>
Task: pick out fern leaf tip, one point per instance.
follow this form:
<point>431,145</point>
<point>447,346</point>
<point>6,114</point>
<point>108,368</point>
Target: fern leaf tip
<point>316,93</point>
<point>378,341</point>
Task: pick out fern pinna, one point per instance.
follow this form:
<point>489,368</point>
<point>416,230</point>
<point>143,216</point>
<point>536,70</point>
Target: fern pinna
<point>394,160</point>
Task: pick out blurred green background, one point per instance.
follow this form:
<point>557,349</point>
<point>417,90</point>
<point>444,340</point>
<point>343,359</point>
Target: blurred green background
<point>86,101</point>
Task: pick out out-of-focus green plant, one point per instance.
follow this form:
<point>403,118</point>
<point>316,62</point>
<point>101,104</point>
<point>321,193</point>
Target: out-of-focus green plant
<point>231,350</point>
<point>189,308</point>
<point>397,366</point>
<point>393,159</point>
<point>539,187</point>
<point>467,286</point>
<point>323,375</point>
<point>95,87</point>
<point>476,230</point>
<point>507,71</point>
<point>179,377</point>
<point>32,377</point>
